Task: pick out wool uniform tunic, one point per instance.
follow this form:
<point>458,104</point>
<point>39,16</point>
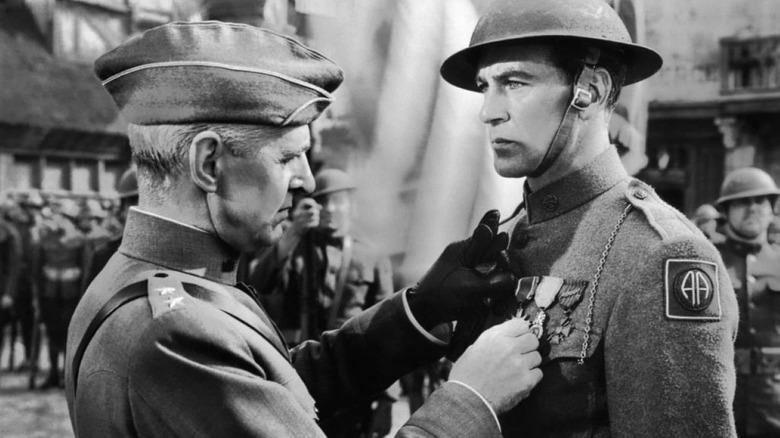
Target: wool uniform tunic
<point>175,364</point>
<point>755,274</point>
<point>659,359</point>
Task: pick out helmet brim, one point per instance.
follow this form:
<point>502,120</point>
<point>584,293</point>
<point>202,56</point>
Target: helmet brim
<point>747,194</point>
<point>460,69</point>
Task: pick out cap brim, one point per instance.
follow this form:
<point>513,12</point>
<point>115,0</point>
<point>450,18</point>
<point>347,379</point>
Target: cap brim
<point>460,69</point>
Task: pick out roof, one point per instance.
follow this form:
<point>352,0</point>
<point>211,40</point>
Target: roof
<point>42,91</point>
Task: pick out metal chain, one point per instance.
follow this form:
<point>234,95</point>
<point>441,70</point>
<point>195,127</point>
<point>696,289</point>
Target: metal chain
<point>596,278</point>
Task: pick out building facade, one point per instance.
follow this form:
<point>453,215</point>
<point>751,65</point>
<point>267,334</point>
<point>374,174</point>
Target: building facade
<point>715,105</point>
<point>59,131</point>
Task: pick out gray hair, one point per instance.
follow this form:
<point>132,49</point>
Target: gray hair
<point>161,151</point>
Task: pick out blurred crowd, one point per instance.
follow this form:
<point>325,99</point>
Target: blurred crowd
<point>51,246</point>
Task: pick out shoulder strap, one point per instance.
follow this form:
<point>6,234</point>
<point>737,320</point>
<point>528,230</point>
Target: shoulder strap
<point>124,296</point>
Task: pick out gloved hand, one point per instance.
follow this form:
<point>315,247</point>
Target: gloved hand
<point>465,277</point>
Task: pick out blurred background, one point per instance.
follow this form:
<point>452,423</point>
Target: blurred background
<point>413,144</point>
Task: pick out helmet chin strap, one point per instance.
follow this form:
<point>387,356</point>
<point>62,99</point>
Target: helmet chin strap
<point>581,99</point>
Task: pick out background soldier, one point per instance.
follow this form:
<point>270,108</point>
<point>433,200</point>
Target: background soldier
<point>633,307</point>
<point>707,218</point>
<point>63,253</point>
<point>319,275</point>
<point>127,188</point>
<point>26,217</point>
<point>747,199</point>
<point>10,268</point>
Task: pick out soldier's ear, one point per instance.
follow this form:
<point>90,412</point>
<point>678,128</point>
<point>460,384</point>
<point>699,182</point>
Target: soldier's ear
<point>205,150</point>
<point>599,87</point>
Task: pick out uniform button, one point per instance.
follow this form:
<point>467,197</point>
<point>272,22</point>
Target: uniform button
<point>752,331</point>
<point>550,202</point>
<point>752,305</point>
<point>640,193</point>
<point>751,279</point>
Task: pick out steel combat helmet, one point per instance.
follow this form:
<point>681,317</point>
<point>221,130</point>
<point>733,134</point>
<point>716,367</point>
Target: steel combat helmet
<point>330,181</point>
<point>127,186</point>
<point>747,182</point>
<point>592,23</point>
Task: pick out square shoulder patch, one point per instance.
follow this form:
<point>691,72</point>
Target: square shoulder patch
<point>692,290</point>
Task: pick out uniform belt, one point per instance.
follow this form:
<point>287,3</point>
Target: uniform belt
<point>61,274</point>
<point>757,360</point>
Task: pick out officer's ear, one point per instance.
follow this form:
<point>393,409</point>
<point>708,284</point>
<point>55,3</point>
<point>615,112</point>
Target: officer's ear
<point>599,87</point>
<point>205,150</point>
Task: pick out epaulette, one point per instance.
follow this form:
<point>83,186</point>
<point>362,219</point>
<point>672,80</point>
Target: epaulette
<point>166,293</point>
<point>657,212</point>
<point>166,290</point>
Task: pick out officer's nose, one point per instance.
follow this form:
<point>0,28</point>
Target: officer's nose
<point>493,109</point>
<point>302,179</point>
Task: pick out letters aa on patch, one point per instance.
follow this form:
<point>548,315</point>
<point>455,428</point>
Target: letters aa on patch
<point>692,290</point>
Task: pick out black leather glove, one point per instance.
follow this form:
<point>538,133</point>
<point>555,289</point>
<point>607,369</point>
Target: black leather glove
<point>465,278</point>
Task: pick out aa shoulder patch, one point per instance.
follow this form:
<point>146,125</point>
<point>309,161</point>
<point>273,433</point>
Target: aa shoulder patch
<point>692,290</point>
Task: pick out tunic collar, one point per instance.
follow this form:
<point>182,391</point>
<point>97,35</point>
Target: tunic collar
<point>575,189</point>
<point>178,246</point>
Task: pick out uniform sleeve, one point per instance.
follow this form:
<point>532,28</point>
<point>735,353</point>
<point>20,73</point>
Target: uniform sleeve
<point>670,377</point>
<point>365,356</point>
<point>194,376</point>
<point>452,411</point>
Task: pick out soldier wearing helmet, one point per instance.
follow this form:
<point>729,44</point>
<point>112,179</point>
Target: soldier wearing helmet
<point>63,252</point>
<point>127,189</point>
<point>747,199</point>
<point>634,311</point>
<point>319,275</point>
<point>707,219</point>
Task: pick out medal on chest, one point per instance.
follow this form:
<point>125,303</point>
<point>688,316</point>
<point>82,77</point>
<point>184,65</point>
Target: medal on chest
<point>537,295</point>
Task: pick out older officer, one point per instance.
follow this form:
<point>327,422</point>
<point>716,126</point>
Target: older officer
<point>634,309</point>
<point>164,344</point>
<point>747,198</point>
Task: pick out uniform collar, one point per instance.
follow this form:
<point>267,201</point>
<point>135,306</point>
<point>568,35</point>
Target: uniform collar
<point>178,246</point>
<point>575,189</point>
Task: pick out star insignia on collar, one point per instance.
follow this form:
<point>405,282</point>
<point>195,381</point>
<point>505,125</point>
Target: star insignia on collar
<point>166,290</point>
<point>173,301</point>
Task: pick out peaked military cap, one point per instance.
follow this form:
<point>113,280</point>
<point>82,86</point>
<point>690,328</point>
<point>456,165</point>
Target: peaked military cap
<point>200,72</point>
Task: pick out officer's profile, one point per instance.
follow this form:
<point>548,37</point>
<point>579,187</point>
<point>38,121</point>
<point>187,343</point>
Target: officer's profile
<point>164,342</point>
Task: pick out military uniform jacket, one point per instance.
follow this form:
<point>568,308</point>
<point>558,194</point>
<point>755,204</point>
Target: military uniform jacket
<point>652,367</point>
<point>175,365</point>
<point>754,269</point>
<point>284,283</point>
